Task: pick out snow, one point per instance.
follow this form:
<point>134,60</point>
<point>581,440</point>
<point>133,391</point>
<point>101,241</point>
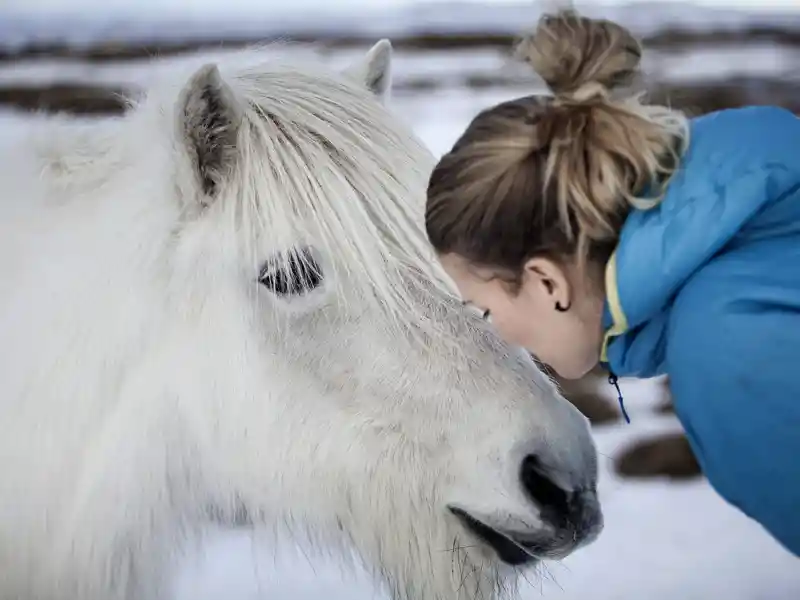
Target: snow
<point>663,540</point>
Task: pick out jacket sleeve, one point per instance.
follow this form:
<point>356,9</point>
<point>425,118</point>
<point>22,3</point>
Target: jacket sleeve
<point>733,356</point>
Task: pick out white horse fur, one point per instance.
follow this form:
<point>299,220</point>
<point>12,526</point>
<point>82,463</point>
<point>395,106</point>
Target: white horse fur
<point>164,360</point>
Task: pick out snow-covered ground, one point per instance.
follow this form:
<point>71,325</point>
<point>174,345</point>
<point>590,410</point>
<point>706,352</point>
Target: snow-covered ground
<point>662,541</point>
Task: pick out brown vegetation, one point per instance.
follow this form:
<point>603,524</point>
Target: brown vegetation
<point>586,395</point>
<point>666,39</point>
<point>700,98</point>
<point>664,456</point>
<point>696,98</point>
<point>70,98</point>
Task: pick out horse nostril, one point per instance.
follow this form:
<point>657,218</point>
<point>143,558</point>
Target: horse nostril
<point>556,505</point>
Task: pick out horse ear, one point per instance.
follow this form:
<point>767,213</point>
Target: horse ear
<point>211,116</point>
<point>375,69</point>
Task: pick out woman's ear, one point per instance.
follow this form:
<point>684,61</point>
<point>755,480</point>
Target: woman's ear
<point>550,279</point>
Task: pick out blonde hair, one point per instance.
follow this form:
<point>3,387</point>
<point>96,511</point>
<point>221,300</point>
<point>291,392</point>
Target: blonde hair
<point>556,175</point>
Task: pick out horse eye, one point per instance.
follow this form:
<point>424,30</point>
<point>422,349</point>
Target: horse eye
<point>485,314</point>
<point>292,274</point>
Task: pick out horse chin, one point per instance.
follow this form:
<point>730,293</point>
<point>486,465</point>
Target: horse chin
<point>513,550</point>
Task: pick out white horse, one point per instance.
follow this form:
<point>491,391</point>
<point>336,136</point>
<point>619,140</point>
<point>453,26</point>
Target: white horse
<point>224,301</point>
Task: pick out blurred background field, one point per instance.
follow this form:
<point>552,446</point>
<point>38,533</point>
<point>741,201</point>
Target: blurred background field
<point>76,56</point>
<point>668,535</point>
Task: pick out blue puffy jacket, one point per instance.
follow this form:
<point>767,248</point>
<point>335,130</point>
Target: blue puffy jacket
<point>706,288</point>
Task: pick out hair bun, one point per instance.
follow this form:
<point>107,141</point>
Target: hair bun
<point>581,58</point>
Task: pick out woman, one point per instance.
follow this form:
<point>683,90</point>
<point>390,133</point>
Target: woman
<point>588,225</point>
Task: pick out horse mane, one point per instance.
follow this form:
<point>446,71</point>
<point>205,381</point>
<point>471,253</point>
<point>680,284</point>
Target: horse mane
<point>324,162</point>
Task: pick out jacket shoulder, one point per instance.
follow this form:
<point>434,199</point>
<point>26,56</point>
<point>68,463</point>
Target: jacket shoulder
<point>732,153</point>
<point>757,133</point>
